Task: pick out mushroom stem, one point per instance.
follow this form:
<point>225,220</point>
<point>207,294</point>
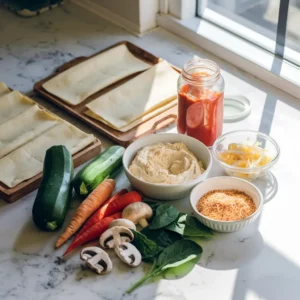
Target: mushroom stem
<point>143,223</point>
<point>117,238</point>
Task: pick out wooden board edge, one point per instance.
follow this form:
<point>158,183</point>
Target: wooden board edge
<point>121,138</point>
<point>11,195</point>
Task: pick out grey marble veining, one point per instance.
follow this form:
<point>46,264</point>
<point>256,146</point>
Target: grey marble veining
<point>260,262</point>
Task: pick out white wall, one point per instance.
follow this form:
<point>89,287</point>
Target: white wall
<point>135,15</point>
<point>128,9</point>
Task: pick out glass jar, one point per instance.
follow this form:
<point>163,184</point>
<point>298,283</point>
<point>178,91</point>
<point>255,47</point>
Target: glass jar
<point>200,101</point>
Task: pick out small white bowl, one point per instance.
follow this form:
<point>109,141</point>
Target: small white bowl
<point>226,183</point>
<point>166,191</point>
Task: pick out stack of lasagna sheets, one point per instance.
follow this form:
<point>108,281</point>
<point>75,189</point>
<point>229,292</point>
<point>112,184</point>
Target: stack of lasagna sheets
<point>26,132</point>
<point>146,95</point>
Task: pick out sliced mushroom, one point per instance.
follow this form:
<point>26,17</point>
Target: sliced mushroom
<point>114,236</point>
<point>122,222</point>
<point>96,259</point>
<point>129,254</point>
<point>138,213</point>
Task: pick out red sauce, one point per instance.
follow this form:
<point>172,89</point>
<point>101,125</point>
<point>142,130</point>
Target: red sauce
<point>200,113</point>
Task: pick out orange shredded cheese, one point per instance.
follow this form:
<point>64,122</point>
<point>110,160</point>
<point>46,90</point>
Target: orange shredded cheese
<point>226,205</point>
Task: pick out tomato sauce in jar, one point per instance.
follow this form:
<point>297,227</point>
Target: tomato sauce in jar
<point>200,106</point>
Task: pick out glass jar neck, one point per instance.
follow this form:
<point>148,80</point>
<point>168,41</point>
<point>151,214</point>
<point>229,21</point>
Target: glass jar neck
<point>201,72</point>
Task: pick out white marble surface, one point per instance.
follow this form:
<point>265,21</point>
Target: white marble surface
<point>259,262</point>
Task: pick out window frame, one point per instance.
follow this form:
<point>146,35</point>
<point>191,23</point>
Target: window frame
<point>179,17</point>
<point>278,46</point>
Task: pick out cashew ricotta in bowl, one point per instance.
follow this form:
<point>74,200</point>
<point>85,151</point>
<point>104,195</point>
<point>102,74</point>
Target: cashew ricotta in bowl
<point>167,163</point>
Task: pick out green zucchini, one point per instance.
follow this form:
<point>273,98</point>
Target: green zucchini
<point>55,192</point>
<point>105,165</point>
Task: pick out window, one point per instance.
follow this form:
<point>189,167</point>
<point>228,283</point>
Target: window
<point>259,36</point>
<point>293,32</point>
<point>270,24</point>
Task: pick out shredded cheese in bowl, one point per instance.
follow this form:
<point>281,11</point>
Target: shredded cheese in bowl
<point>226,205</point>
<point>245,155</point>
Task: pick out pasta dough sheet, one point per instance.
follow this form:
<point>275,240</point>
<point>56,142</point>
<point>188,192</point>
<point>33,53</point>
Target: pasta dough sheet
<point>138,121</point>
<point>27,161</point>
<point>137,97</point>
<point>24,127</point>
<point>79,82</point>
<point>12,104</point>
<point>3,89</point>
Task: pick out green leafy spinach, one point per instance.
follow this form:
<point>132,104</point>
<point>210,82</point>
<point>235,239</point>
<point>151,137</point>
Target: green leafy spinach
<point>178,225</point>
<point>147,247</point>
<point>174,255</point>
<point>165,215</point>
<point>162,237</point>
<point>153,205</point>
<point>194,228</point>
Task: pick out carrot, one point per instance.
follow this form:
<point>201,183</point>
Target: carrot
<point>110,207</point>
<point>88,223</point>
<point>93,201</point>
<point>93,232</point>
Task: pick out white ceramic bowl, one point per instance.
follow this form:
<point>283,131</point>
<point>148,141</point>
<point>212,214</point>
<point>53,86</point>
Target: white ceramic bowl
<point>226,183</point>
<point>166,191</point>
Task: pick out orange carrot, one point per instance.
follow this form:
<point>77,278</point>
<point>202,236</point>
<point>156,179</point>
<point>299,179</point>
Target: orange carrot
<point>93,232</point>
<point>93,201</point>
<point>110,207</point>
<point>89,224</point>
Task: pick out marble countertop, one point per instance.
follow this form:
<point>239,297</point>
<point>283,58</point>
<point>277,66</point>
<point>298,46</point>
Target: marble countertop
<point>261,261</point>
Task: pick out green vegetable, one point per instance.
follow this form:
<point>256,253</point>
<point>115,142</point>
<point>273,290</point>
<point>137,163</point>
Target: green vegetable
<point>175,255</point>
<point>188,225</point>
<point>162,237</point>
<point>194,228</point>
<point>148,248</point>
<point>165,215</point>
<point>178,225</point>
<point>105,165</point>
<point>55,192</point>
<point>153,205</point>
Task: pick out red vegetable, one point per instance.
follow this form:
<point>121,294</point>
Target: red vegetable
<point>110,207</point>
<point>93,201</point>
<point>93,233</point>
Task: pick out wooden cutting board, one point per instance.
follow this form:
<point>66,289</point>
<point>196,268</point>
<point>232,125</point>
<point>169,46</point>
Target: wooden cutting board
<point>12,194</point>
<point>123,138</point>
<point>17,192</point>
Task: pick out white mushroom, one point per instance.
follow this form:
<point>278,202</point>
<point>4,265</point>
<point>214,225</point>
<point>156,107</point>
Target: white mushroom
<point>129,254</point>
<point>114,236</point>
<point>96,259</point>
<point>138,213</point>
<point>122,222</point>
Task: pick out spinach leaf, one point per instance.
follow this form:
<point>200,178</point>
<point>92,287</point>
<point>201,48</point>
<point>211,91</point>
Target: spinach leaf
<point>162,237</point>
<point>175,255</point>
<point>148,248</point>
<point>178,225</point>
<point>178,253</point>
<point>194,228</point>
<point>165,215</point>
<point>153,205</point>
<point>189,226</point>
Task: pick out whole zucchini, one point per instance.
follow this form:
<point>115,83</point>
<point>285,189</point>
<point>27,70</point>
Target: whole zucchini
<point>101,167</point>
<point>55,192</point>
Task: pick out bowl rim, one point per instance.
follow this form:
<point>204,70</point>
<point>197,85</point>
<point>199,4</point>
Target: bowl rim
<point>257,211</point>
<point>189,183</point>
<point>246,170</point>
